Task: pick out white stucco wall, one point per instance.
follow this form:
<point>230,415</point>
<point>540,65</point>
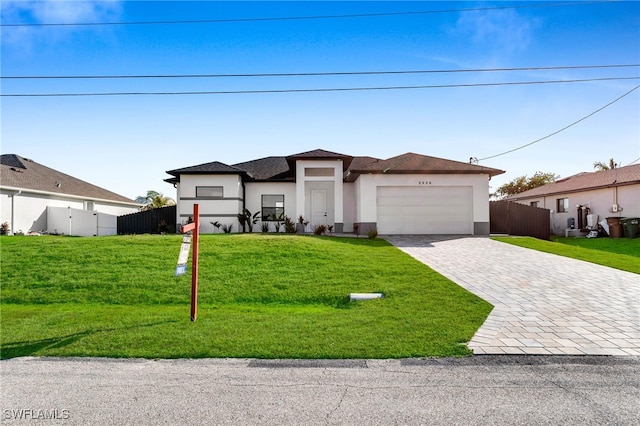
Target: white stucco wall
<point>30,210</point>
<point>629,200</point>
<point>113,209</point>
<point>366,188</point>
<point>349,202</point>
<point>599,202</point>
<point>223,210</point>
<point>349,197</point>
<point>255,190</point>
<point>303,193</point>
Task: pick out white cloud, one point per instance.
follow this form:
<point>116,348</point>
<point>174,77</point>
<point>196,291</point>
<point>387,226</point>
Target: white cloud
<point>75,11</point>
<point>506,31</point>
<point>52,11</point>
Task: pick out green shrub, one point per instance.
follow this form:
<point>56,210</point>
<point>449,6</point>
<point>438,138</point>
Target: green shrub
<point>319,229</point>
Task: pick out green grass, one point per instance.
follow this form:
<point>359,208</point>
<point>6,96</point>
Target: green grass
<point>260,296</point>
<point>619,253</point>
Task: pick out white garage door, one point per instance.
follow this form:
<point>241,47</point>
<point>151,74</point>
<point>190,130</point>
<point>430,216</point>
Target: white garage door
<point>425,210</point>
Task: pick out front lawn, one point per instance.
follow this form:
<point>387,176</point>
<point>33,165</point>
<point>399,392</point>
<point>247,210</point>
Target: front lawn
<point>619,253</point>
<point>261,296</point>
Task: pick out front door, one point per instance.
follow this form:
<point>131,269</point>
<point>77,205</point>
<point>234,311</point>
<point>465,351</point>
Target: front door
<point>318,207</point>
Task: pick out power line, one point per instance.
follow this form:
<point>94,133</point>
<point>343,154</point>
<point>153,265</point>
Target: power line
<point>346,89</point>
<point>634,161</point>
<point>317,74</point>
<point>564,128</point>
<point>299,18</point>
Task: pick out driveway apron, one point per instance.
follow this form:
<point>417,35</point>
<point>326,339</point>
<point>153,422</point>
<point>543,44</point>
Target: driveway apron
<point>543,304</point>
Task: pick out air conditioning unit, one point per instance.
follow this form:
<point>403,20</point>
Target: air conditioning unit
<point>614,208</point>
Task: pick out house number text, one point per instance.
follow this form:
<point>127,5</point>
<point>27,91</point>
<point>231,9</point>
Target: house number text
<point>424,182</point>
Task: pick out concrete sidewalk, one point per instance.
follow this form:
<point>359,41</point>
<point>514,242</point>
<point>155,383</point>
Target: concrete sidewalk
<point>543,304</point>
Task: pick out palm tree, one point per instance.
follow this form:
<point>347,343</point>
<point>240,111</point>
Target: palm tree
<point>154,200</point>
<point>599,165</point>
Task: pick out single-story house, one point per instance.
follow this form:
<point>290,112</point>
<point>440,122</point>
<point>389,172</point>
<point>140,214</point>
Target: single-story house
<point>607,193</point>
<point>407,194</point>
<point>29,190</point>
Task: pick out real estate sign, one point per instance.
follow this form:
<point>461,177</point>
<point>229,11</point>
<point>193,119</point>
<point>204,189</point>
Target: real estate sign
<point>183,257</point>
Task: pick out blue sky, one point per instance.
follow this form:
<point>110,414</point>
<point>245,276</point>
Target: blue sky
<point>126,143</point>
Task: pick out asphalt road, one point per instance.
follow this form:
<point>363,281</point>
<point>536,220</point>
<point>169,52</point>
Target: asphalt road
<point>496,390</point>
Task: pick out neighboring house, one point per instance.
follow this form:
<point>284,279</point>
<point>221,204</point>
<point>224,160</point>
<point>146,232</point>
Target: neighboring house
<point>28,190</point>
<point>607,193</point>
<point>407,194</point>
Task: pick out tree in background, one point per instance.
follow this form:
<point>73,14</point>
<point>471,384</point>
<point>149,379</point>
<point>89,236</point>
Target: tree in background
<point>523,183</point>
<point>154,200</point>
<point>599,165</point>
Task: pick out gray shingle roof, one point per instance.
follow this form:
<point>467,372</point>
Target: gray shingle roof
<point>269,168</point>
<point>22,173</point>
<point>320,154</point>
<point>417,163</point>
<point>628,175</point>
<point>213,167</point>
<point>317,154</point>
<point>282,168</point>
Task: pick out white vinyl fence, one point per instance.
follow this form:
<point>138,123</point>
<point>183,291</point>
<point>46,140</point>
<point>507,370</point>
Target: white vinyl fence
<point>82,223</point>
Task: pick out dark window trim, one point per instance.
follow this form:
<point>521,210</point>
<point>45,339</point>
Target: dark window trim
<point>211,198</point>
<point>267,217</point>
<point>208,196</point>
<point>560,205</point>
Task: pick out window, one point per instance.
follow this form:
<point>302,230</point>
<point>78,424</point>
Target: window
<point>533,204</point>
<point>563,205</point>
<point>272,207</point>
<point>319,171</point>
<point>209,192</point>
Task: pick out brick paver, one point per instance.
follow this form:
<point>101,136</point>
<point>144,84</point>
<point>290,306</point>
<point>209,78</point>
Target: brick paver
<point>543,304</point>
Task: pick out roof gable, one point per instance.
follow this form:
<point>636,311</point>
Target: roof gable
<point>268,168</point>
<point>22,173</point>
<point>586,181</point>
<point>12,160</point>
<point>320,154</point>
<point>214,167</point>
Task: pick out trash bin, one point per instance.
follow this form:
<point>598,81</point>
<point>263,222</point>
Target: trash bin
<point>631,226</point>
<point>616,231</point>
<point>615,226</point>
<point>615,220</point>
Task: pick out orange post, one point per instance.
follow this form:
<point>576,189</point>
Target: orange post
<point>194,262</point>
<point>194,227</point>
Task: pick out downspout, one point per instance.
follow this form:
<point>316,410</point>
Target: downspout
<point>244,195</point>
<point>13,197</point>
<point>244,199</point>
<point>615,192</point>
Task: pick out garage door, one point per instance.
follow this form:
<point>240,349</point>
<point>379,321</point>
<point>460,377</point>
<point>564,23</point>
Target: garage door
<point>425,210</point>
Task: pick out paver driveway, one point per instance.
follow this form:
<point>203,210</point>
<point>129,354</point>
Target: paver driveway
<point>543,303</point>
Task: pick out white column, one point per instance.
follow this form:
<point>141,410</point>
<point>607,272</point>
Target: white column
<point>299,190</point>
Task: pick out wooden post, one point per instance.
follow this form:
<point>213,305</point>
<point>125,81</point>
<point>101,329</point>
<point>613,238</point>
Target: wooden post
<point>195,228</point>
<point>194,262</point>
